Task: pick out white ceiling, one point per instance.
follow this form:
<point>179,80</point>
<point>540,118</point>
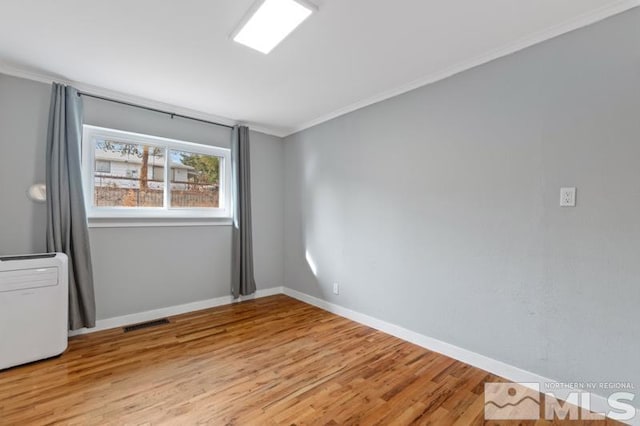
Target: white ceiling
<point>349,54</point>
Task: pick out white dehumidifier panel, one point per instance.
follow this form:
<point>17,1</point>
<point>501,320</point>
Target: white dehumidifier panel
<point>33,307</point>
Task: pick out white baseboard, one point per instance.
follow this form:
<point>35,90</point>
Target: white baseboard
<point>499,368</point>
<point>106,324</point>
<point>509,372</point>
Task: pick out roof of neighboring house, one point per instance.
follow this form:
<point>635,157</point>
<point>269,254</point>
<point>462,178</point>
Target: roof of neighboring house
<point>134,159</point>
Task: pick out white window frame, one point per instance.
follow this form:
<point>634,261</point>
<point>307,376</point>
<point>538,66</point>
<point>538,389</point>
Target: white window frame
<point>154,215</point>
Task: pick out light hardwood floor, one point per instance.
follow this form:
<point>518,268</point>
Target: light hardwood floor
<point>273,360</point>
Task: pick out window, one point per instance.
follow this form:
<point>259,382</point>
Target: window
<point>142,176</point>
<point>158,173</point>
<point>103,166</point>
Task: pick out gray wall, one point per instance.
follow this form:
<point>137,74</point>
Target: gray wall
<point>438,210</point>
<point>24,112</point>
<point>137,269</point>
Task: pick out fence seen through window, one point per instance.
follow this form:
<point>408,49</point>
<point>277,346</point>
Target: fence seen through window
<point>133,175</point>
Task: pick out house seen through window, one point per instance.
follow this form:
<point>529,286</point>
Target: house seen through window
<point>141,175</point>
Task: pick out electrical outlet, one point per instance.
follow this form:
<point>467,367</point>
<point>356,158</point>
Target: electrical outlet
<point>336,288</point>
<point>568,197</point>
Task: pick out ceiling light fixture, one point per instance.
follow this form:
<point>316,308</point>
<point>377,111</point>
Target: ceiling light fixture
<point>268,22</point>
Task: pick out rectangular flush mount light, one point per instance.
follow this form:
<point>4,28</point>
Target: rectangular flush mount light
<point>270,21</point>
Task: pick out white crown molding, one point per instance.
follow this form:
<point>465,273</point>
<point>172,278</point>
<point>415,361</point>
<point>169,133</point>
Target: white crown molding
<point>115,322</point>
<point>22,72</point>
<point>531,40</point>
<point>598,403</point>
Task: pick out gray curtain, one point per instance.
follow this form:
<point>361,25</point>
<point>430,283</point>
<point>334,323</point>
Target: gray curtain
<point>66,217</point>
<point>242,280</point>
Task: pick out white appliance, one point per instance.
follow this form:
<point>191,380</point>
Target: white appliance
<point>33,307</point>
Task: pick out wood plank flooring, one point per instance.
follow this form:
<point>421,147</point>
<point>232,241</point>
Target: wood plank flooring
<point>271,361</point>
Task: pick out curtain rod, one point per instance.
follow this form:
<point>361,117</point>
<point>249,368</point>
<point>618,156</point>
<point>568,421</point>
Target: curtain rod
<point>172,114</point>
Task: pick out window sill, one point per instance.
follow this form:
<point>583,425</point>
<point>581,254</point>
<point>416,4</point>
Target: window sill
<point>142,222</point>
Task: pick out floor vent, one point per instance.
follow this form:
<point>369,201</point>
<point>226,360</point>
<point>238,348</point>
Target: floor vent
<point>147,324</point>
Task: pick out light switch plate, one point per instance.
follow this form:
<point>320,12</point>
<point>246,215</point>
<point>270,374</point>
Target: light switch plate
<point>568,197</point>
